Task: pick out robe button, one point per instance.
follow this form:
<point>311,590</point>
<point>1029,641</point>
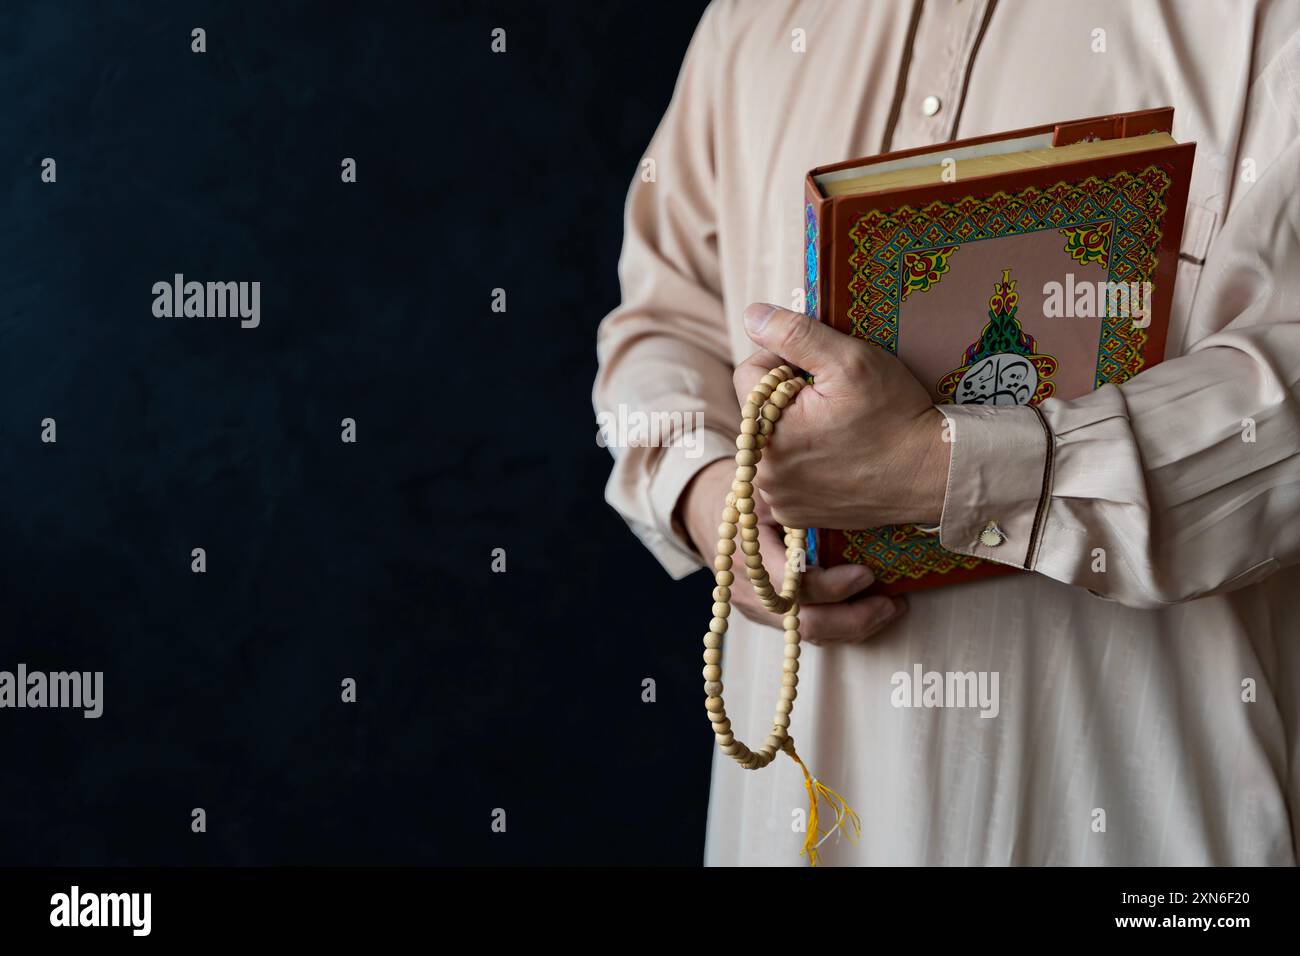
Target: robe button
<point>930,105</point>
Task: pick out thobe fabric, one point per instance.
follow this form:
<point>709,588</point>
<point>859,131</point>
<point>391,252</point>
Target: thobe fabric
<point>1148,712</point>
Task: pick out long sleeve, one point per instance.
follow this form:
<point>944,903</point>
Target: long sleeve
<point>1185,480</point>
<point>663,393</point>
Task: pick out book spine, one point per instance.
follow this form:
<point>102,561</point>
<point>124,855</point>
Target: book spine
<point>817,302</point>
<point>815,286</point>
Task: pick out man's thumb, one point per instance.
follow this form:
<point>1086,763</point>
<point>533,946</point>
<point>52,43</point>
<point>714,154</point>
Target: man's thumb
<point>796,338</point>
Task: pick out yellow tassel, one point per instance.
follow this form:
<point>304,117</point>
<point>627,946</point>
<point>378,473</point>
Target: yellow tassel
<point>846,818</point>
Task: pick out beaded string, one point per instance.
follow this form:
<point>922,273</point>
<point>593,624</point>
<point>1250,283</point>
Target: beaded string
<point>758,418</point>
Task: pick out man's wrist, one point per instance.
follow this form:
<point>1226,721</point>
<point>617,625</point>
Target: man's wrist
<point>689,516</point>
<point>928,479</point>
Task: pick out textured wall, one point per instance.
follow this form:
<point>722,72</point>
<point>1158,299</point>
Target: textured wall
<point>329,560</point>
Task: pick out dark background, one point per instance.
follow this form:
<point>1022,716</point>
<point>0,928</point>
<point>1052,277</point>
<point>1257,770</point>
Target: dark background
<point>328,560</point>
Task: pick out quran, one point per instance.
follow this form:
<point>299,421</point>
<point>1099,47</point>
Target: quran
<point>1001,270</point>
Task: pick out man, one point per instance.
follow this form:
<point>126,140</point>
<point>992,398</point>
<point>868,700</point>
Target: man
<point>1147,713</point>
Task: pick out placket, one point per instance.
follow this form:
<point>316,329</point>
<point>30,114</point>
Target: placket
<point>939,61</point>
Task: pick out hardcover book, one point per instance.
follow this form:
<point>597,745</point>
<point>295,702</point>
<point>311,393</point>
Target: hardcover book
<point>1001,270</point>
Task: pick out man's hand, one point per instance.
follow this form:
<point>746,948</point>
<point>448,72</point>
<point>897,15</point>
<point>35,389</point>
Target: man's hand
<point>861,447</point>
<point>831,608</point>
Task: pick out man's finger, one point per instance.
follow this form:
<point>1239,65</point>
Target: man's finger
<point>849,621</point>
<point>816,585</point>
<point>828,585</point>
<point>749,372</point>
<point>796,338</point>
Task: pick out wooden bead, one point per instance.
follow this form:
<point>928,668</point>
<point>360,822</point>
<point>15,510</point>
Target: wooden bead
<point>779,399</point>
<point>712,640</point>
<point>722,563</point>
<point>765,426</point>
<point>721,609</point>
<point>791,623</point>
<point>749,546</point>
<point>748,520</point>
<point>789,693</point>
<point>789,680</point>
<point>792,651</point>
<point>773,743</point>
<point>718,717</point>
<point>782,720</point>
<point>722,593</point>
<point>746,457</point>
<point>713,688</point>
<point>790,665</point>
<point>718,625</point>
<point>750,409</point>
<point>743,489</point>
<point>746,473</point>
<point>784,707</point>
<point>748,426</point>
<point>725,578</point>
<point>772,414</point>
<point>713,704</point>
<point>726,546</point>
<point>713,672</point>
<point>747,441</point>
<point>791,637</point>
<point>745,505</point>
<point>761,390</point>
<point>770,380</point>
<point>727,529</point>
<point>725,740</point>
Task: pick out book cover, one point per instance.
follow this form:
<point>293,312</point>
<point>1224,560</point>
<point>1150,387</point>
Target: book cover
<point>1010,286</point>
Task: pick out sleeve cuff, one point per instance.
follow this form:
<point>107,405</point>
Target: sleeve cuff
<point>999,482</point>
<point>678,464</point>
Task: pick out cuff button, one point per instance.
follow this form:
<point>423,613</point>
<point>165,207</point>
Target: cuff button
<point>992,535</point>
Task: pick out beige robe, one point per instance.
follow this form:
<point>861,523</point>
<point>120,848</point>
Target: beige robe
<point>1146,715</point>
